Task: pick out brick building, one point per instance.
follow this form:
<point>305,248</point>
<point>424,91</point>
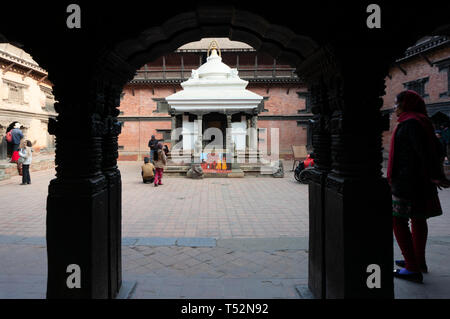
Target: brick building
<point>424,68</point>
<point>144,111</point>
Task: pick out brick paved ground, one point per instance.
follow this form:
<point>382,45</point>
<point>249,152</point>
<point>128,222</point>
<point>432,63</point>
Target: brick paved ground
<point>213,207</point>
<point>248,239</point>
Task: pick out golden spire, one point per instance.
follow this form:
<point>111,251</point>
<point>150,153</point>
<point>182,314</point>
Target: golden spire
<point>214,46</point>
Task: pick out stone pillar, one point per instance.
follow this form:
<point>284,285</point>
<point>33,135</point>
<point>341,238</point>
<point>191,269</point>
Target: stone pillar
<point>198,144</point>
<point>253,139</point>
<point>173,127</point>
<point>228,137</point>
<point>229,142</point>
<point>3,143</point>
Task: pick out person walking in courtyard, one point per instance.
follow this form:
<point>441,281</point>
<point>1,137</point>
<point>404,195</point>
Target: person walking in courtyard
<point>152,144</point>
<point>415,170</point>
<point>160,162</point>
<point>26,154</point>
<point>148,172</point>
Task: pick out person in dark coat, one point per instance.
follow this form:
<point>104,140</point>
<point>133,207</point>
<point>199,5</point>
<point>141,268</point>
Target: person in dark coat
<point>415,170</point>
<point>152,144</point>
<point>17,136</point>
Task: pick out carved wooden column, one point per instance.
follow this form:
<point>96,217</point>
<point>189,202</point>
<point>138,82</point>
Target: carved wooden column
<point>321,148</point>
<point>314,70</point>
<point>358,215</point>
<point>114,74</point>
<point>114,188</point>
<point>77,217</point>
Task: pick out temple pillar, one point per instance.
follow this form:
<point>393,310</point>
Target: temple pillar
<point>350,218</point>
<point>358,214</point>
<point>113,187</point>
<point>198,144</point>
<point>84,200</point>
<point>228,132</point>
<point>3,143</point>
<point>230,146</point>
<point>253,140</point>
<point>173,127</point>
<point>321,144</point>
<point>77,217</point>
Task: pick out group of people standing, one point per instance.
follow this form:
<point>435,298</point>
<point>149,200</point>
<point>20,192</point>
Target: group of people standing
<point>153,168</point>
<point>22,152</point>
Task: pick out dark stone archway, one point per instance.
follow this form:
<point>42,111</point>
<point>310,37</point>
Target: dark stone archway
<point>345,66</point>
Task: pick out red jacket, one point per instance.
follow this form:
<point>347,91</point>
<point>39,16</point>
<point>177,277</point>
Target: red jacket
<point>308,162</point>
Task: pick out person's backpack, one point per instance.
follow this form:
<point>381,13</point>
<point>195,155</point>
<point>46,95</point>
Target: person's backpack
<point>9,137</point>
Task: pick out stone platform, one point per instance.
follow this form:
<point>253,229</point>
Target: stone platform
<point>40,162</point>
<point>260,168</point>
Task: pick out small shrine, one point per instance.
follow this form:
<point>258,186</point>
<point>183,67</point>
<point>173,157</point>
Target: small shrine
<point>216,111</point>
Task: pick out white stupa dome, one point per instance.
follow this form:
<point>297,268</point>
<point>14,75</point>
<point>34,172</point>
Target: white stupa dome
<point>214,86</point>
<point>214,68</point>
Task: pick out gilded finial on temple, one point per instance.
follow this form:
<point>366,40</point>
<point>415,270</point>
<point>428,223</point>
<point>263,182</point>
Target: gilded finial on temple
<point>214,46</point>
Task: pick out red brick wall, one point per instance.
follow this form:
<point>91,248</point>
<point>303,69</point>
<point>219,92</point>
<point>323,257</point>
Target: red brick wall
<point>280,102</point>
<point>416,68</point>
<point>138,101</point>
<point>289,134</point>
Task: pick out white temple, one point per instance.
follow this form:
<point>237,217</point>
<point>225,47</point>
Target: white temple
<point>215,97</point>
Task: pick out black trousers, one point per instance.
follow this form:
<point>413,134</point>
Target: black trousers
<point>148,180</point>
<point>26,179</point>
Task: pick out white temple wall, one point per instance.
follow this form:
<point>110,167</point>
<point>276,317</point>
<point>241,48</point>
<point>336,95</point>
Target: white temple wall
<point>238,133</point>
<point>190,131</point>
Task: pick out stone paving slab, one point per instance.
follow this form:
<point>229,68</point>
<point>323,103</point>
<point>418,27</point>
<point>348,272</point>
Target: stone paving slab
<point>280,243</point>
<point>208,208</point>
<point>156,241</point>
<point>211,272</point>
<point>182,207</point>
<point>196,242</point>
<point>210,238</point>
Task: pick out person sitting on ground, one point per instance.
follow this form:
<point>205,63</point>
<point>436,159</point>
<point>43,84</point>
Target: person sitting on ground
<point>148,171</point>
<point>160,160</point>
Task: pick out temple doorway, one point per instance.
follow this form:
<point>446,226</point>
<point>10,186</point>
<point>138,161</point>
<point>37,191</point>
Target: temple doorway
<point>211,123</point>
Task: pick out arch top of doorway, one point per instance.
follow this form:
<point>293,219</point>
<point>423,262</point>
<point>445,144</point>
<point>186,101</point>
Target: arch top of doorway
<point>238,25</point>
